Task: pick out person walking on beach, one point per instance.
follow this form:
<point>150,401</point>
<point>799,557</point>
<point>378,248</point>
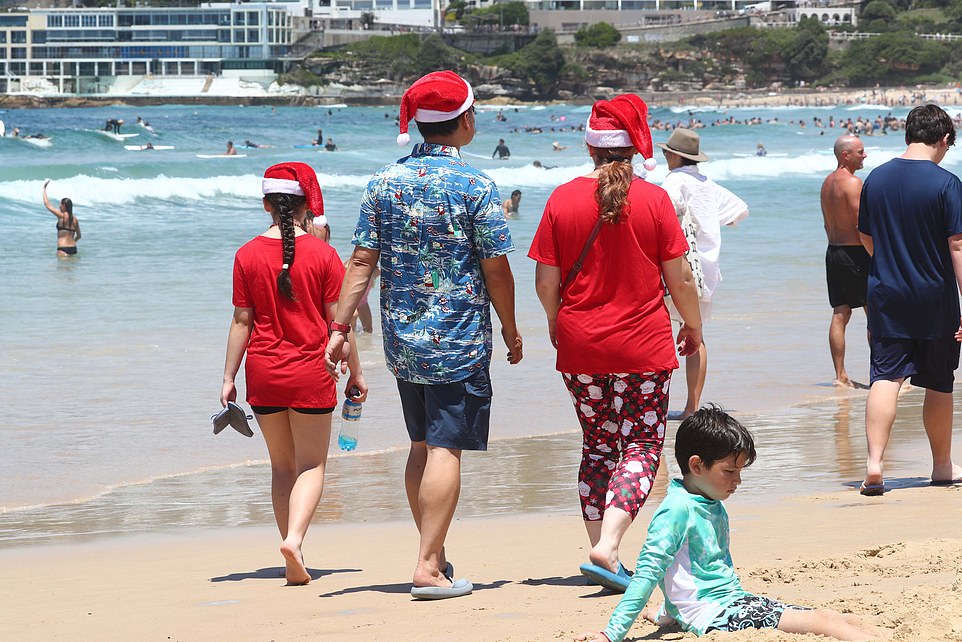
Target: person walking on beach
<point>687,556</point>
<point>501,151</point>
<point>286,285</point>
<point>68,227</point>
<point>846,260</point>
<point>608,241</point>
<point>910,221</point>
<point>435,224</point>
<point>703,207</point>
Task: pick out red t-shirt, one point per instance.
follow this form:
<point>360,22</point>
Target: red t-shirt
<point>285,355</point>
<point>613,316</point>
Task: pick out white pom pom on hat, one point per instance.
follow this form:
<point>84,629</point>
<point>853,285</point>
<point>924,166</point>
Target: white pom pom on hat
<point>434,98</point>
<point>621,122</point>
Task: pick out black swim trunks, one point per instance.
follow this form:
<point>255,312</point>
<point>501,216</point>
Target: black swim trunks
<point>846,270</point>
<point>67,249</point>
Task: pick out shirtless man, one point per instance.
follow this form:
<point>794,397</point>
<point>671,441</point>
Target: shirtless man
<point>846,261</point>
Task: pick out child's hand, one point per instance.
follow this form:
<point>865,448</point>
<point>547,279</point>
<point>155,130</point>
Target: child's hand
<point>592,636</point>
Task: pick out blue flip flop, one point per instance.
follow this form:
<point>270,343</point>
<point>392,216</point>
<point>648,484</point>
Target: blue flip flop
<point>617,582</point>
<point>457,589</point>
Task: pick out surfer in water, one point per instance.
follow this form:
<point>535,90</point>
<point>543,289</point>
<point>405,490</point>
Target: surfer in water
<point>113,125</point>
<point>231,151</point>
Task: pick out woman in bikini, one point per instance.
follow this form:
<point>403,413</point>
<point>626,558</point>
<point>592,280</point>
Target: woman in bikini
<point>68,227</point>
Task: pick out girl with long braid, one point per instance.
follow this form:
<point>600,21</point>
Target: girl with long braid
<point>607,246</point>
<point>68,227</point>
<point>286,286</point>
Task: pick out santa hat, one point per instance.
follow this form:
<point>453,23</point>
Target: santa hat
<point>621,122</point>
<point>298,179</point>
<point>434,98</point>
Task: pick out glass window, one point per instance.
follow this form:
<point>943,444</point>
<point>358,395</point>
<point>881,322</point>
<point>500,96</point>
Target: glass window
<point>239,18</point>
<point>39,37</point>
<point>252,18</point>
<point>36,69</point>
<point>18,53</point>
<point>18,68</point>
<point>71,21</point>
<point>54,21</point>
<point>3,36</point>
<point>252,35</point>
<point>239,35</point>
<point>88,21</point>
<point>105,21</point>
<point>18,37</point>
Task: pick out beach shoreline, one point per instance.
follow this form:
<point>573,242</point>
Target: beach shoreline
<point>893,96</point>
<point>865,556</point>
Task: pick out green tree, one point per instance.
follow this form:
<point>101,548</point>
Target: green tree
<point>540,63</point>
<point>893,57</point>
<point>805,54</point>
<point>507,13</point>
<point>434,54</point>
<point>600,35</point>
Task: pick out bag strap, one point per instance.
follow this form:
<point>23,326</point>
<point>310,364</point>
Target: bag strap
<point>584,253</point>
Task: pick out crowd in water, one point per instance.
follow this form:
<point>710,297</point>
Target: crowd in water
<point>859,125</point>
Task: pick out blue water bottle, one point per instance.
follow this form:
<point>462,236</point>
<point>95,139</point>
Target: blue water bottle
<point>350,421</point>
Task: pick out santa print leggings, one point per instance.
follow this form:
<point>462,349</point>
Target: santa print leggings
<point>623,420</point>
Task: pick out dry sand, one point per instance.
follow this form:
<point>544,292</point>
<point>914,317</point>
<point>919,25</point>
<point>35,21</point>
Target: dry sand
<point>894,560</point>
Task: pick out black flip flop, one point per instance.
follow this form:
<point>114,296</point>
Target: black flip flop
<point>234,416</point>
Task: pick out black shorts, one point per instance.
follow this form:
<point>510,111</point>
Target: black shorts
<point>273,410</point>
<point>448,415</point>
<point>930,363</point>
<point>846,271</point>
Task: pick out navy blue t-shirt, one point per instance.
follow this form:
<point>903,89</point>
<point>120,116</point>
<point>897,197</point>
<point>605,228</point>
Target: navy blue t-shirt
<point>910,208</point>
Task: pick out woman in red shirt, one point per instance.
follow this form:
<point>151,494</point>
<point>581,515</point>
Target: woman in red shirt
<point>282,312</point>
<point>608,320</point>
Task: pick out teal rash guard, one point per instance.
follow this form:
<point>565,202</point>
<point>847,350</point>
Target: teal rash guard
<point>686,554</point>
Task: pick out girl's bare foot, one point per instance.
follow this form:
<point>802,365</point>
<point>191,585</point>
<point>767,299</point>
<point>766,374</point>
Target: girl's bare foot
<point>296,573</point>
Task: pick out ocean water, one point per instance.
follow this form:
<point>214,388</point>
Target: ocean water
<point>111,361</point>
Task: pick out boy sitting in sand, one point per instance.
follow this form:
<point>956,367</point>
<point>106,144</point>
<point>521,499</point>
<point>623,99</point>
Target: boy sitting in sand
<point>686,552</point>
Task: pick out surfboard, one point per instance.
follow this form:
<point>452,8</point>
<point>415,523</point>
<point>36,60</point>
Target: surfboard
<point>114,136</point>
<point>36,142</point>
<point>3,129</point>
<point>144,148</point>
<point>307,146</point>
<point>221,156</point>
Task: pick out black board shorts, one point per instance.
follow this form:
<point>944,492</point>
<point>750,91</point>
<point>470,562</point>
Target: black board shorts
<point>846,271</point>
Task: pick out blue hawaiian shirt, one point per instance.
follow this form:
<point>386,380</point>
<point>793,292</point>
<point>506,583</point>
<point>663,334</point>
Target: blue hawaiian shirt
<point>433,218</point>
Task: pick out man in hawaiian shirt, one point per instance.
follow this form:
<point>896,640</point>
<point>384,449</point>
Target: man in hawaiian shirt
<point>435,225</point>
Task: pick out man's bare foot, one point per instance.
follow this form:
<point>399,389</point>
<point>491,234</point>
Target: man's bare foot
<point>940,476</point>
<point>296,573</point>
<point>843,382</point>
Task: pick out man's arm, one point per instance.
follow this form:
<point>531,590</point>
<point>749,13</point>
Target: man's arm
<point>360,267</point>
<point>867,243</point>
<point>499,282</point>
<point>852,191</point>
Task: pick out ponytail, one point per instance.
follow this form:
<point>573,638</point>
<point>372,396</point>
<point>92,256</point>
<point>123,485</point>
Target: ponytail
<point>283,206</point>
<point>614,177</point>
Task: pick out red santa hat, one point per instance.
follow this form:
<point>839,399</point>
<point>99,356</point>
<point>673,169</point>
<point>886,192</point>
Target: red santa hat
<point>434,98</point>
<point>621,122</point>
<point>298,179</point>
